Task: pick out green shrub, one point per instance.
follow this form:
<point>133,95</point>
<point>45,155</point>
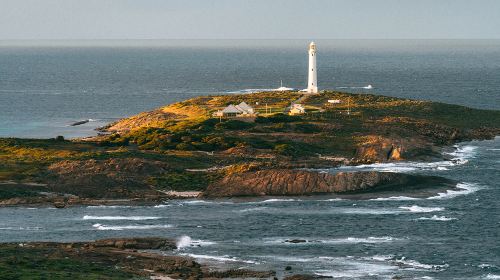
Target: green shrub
<point>306,128</point>
<point>277,118</point>
<point>285,149</point>
<point>184,147</point>
<point>234,125</point>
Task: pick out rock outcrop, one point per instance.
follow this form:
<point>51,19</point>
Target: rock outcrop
<point>117,255</point>
<point>302,182</point>
<point>110,178</point>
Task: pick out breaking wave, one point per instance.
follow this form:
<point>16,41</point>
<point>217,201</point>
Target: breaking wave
<point>108,206</point>
<point>256,90</point>
<point>395,198</point>
<point>254,209</point>
<point>407,263</point>
<point>132,218</point>
<point>130,227</point>
<point>186,242</point>
<point>203,202</point>
<point>224,258</point>
<point>419,209</point>
<point>437,218</point>
<point>278,200</point>
<point>346,240</point>
<point>363,87</point>
<point>463,189</point>
<point>21,228</point>
<point>460,156</point>
<point>162,206</point>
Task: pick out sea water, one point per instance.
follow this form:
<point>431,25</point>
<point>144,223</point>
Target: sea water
<point>453,234</point>
<point>45,89</point>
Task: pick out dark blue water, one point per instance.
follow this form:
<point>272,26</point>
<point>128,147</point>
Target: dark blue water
<point>43,89</point>
<point>450,235</point>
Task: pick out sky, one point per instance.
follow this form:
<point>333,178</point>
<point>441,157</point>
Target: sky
<point>248,19</point>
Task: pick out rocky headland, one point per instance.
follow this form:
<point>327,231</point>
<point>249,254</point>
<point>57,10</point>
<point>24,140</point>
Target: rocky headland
<point>181,150</point>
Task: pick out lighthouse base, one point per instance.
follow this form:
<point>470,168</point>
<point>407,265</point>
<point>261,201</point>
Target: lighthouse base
<point>312,90</point>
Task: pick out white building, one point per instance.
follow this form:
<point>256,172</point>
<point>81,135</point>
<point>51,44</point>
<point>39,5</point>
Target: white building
<point>297,109</point>
<point>312,84</point>
<point>334,101</point>
<point>241,109</point>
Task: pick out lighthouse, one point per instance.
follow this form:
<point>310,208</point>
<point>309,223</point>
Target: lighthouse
<point>312,83</point>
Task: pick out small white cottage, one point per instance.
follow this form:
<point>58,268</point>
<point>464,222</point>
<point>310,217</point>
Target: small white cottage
<point>242,109</point>
<point>297,109</point>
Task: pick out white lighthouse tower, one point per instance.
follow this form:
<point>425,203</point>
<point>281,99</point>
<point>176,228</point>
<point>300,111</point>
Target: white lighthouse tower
<point>312,83</point>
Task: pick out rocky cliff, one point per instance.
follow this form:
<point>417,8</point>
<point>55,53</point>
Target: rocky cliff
<point>301,182</point>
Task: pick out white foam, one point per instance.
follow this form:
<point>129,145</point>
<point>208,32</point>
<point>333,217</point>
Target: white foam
<point>332,199</point>
<point>278,200</point>
<point>109,206</point>
<point>359,87</point>
<point>437,218</point>
<point>492,276</point>
<point>256,90</point>
<point>395,198</point>
<point>162,206</point>
<point>186,241</point>
<point>204,202</point>
<point>223,259</point>
<point>132,218</point>
<point>417,265</point>
<point>486,265</point>
<point>463,189</point>
<point>358,270</point>
<point>368,211</point>
<point>420,209</point>
<point>21,228</point>
<point>463,153</point>
<point>130,227</point>
<point>254,209</point>
<point>460,156</point>
<point>346,240</point>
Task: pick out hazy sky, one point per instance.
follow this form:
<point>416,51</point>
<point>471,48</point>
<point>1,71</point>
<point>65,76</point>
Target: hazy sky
<point>244,19</point>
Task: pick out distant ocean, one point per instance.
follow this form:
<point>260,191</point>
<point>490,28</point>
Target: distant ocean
<point>45,88</point>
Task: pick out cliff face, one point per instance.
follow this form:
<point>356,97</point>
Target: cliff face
<point>300,182</point>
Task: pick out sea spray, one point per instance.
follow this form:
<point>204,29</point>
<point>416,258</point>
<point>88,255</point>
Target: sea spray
<point>186,242</point>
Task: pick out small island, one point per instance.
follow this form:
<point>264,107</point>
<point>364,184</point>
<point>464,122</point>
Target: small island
<point>258,144</point>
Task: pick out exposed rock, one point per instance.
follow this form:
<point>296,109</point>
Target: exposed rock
<point>305,277</point>
<point>110,178</point>
<point>301,182</point>
<point>380,149</point>
<point>139,243</point>
<point>59,204</point>
<point>123,254</point>
<point>296,241</point>
<point>240,274</point>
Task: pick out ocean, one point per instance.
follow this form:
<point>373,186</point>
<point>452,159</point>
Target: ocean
<point>44,89</point>
<point>451,235</point>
